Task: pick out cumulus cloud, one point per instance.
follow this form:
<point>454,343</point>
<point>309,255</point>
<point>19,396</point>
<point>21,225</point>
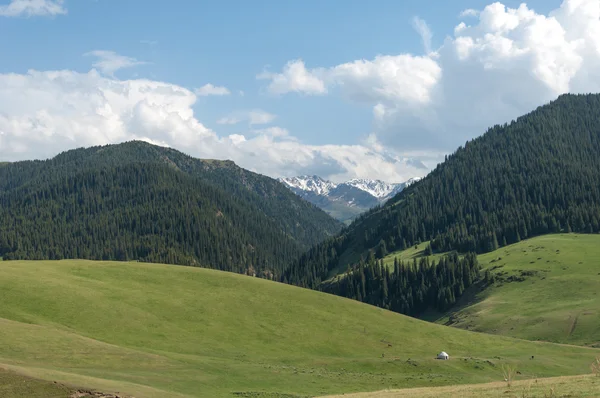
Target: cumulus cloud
<point>44,113</point>
<point>209,89</point>
<point>508,62</point>
<point>294,78</point>
<point>33,8</point>
<point>385,79</point>
<point>109,61</point>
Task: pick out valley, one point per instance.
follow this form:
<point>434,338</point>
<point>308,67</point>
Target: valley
<point>139,271</point>
<point>347,200</point>
<point>310,199</point>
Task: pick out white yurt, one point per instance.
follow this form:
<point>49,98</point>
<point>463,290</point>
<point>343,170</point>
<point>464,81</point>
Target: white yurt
<point>443,355</point>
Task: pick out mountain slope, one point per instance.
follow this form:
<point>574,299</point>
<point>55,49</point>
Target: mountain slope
<point>536,175</point>
<point>346,200</point>
<point>139,201</point>
<point>151,330</point>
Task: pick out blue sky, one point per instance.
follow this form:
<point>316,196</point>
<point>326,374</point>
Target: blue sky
<point>188,44</point>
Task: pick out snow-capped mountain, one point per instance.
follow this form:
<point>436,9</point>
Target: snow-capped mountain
<point>380,189</point>
<point>346,200</point>
<point>309,183</point>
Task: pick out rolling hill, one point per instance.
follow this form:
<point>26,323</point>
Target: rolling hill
<point>152,330</point>
<point>137,201</point>
<point>545,288</point>
<point>538,174</point>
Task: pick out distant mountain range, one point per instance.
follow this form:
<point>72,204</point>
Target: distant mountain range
<point>347,200</point>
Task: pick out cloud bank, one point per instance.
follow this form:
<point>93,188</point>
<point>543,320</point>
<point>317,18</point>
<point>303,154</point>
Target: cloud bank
<point>45,112</point>
<point>33,8</point>
<point>507,63</point>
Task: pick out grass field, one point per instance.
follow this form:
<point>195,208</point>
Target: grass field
<point>411,253</point>
<point>169,331</point>
<point>15,385</point>
<point>547,288</point>
<point>573,386</point>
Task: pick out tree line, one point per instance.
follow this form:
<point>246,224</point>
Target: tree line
<point>410,288</point>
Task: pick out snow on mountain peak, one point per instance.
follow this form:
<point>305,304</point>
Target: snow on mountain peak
<point>376,188</point>
<point>310,184</point>
<point>348,199</point>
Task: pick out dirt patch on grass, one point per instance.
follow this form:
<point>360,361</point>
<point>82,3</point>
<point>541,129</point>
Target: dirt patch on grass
<point>573,325</point>
<point>96,394</point>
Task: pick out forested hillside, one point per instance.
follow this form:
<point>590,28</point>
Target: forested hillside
<point>143,202</point>
<point>537,175</point>
<point>408,288</point>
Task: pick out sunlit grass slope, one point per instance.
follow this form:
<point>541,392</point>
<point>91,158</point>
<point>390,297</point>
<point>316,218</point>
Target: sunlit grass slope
<point>547,288</point>
<point>411,253</point>
<point>169,331</point>
<point>18,386</point>
<point>573,386</point>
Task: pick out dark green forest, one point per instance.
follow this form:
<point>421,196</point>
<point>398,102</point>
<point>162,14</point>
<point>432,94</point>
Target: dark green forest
<point>409,288</point>
<point>136,201</point>
<point>536,175</point>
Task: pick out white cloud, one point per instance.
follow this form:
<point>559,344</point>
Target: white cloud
<point>294,78</point>
<point>260,117</point>
<point>33,8</point>
<point>209,89</point>
<point>253,117</point>
<point>469,12</point>
<point>229,120</point>
<point>109,61</point>
<point>424,31</point>
<point>506,64</point>
<point>387,78</point>
<point>44,113</point>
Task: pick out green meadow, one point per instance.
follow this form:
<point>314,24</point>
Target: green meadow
<point>151,330</point>
<point>546,288</point>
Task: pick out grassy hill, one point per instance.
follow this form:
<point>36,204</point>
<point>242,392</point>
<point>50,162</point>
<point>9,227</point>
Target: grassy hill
<point>545,288</point>
<point>153,330</point>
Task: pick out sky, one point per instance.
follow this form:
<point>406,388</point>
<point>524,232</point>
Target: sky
<point>382,89</point>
